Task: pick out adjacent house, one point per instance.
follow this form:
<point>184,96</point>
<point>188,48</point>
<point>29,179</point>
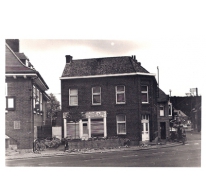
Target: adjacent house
<point>25,98</point>
<point>116,96</point>
<point>164,115</point>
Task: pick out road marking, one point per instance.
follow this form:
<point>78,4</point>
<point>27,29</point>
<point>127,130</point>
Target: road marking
<point>50,163</point>
<point>130,156</point>
<point>196,143</point>
<point>159,153</point>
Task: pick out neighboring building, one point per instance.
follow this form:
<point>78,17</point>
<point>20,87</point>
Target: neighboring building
<point>164,115</point>
<point>25,98</point>
<point>191,107</point>
<point>117,96</point>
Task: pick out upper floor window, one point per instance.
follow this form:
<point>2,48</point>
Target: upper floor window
<point>162,110</point>
<point>41,101</point>
<point>170,109</point>
<point>73,97</point>
<point>144,94</point>
<point>121,124</point>
<point>34,96</point>
<point>120,95</point>
<point>10,103</point>
<point>96,95</point>
<point>6,89</point>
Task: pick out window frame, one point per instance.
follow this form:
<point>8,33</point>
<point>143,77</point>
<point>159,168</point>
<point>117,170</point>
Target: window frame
<point>163,114</point>
<point>145,92</point>
<point>121,122</point>
<point>14,103</point>
<point>71,95</point>
<point>170,109</point>
<point>120,92</point>
<point>17,125</point>
<point>40,101</point>
<point>96,94</point>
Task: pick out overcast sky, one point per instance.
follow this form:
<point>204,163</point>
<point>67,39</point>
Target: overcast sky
<point>178,59</point>
<point>167,34</point>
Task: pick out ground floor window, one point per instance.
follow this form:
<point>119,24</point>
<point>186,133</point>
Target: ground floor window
<point>16,124</point>
<point>97,127</point>
<point>121,124</point>
<point>73,130</point>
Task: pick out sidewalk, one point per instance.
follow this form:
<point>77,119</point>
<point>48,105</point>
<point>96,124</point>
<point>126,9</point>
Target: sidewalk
<point>60,151</point>
<point>191,136</point>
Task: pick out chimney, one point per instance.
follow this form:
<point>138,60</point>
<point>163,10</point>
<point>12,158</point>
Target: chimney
<point>68,59</point>
<point>13,44</point>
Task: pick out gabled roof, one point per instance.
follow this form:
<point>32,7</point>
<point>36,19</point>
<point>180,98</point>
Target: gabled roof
<point>162,96</point>
<point>14,66</point>
<point>103,66</point>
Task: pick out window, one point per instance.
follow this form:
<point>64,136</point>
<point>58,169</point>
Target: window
<point>162,109</point>
<point>10,103</point>
<point>120,94</point>
<point>34,96</point>
<point>40,99</point>
<point>145,117</point>
<point>16,124</point>
<point>6,89</point>
<point>96,96</point>
<point>170,109</point>
<point>73,97</point>
<point>144,94</point>
<point>121,124</point>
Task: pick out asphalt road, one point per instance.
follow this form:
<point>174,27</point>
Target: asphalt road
<point>188,155</point>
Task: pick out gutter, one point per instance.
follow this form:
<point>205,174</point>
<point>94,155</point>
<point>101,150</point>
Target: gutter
<point>108,75</point>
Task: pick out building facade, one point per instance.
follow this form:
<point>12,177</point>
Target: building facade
<point>25,98</point>
<point>164,115</point>
<point>116,96</point>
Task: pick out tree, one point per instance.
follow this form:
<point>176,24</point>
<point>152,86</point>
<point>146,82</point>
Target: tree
<point>74,115</point>
<point>53,107</point>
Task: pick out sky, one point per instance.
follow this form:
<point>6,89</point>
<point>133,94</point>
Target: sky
<point>167,34</point>
<point>178,60</point>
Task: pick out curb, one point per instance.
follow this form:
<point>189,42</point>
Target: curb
<point>104,151</point>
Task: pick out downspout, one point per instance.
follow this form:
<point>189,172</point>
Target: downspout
<point>32,110</point>
<point>158,80</point>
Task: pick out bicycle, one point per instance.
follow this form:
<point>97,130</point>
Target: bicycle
<point>39,145</point>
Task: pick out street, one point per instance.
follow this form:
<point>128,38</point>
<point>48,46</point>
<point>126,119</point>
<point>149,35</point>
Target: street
<point>188,155</point>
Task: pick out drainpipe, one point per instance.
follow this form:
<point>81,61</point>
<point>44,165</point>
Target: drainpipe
<point>32,110</point>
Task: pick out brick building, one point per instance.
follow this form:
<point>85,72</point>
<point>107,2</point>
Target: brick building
<point>116,96</point>
<point>25,98</point>
<point>164,115</point>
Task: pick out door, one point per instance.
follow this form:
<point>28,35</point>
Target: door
<point>85,128</point>
<point>145,130</point>
<point>163,130</point>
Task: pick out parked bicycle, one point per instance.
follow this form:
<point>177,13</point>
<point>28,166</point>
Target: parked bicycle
<point>39,145</point>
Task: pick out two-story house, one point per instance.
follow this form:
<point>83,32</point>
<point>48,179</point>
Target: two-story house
<point>164,114</point>
<point>117,96</point>
<point>25,98</point>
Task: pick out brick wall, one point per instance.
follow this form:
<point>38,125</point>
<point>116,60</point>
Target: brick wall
<point>20,89</point>
<point>132,109</point>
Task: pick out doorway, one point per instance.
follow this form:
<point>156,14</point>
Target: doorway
<point>145,131</point>
<point>163,130</point>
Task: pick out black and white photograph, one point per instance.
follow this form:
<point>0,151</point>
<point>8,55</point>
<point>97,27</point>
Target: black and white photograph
<point>98,86</point>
